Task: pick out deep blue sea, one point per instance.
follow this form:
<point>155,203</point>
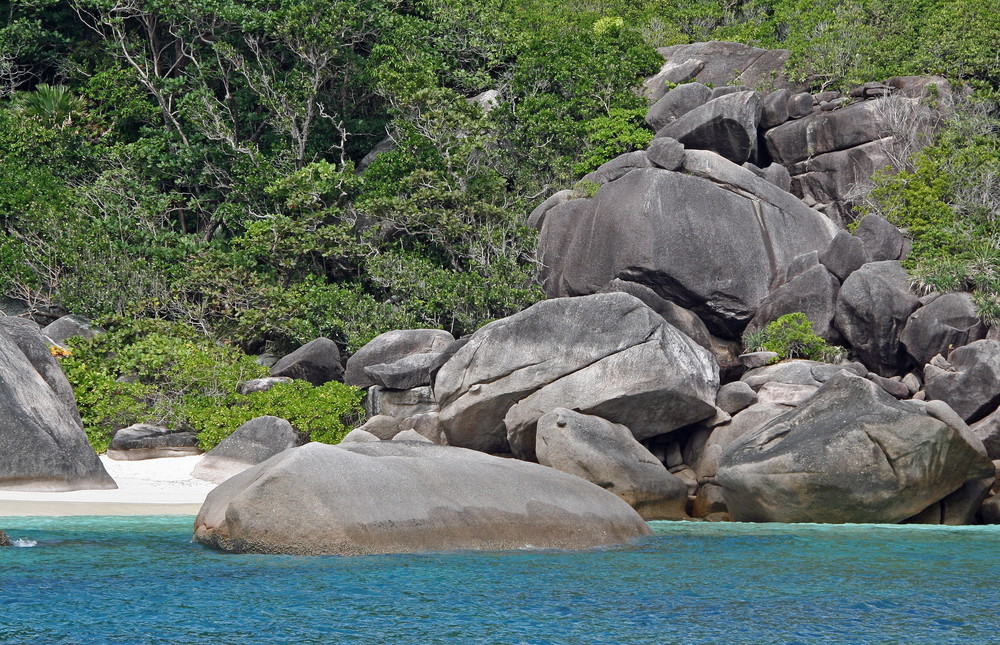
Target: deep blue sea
<point>141,580</point>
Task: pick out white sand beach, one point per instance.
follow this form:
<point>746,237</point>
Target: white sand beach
<point>145,487</point>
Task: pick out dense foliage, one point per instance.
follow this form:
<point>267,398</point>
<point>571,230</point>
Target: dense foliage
<point>207,163</point>
<point>169,375</point>
<point>791,336</point>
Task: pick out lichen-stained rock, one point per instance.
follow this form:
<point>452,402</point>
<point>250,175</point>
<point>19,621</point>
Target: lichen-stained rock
<point>406,496</point>
<point>608,455</point>
<point>726,125</point>
<point>942,325</point>
<point>42,443</point>
<point>851,453</point>
<point>972,384</point>
<point>590,343</point>
<point>719,63</point>
<point>385,349</point>
<point>873,306</point>
<point>709,245</point>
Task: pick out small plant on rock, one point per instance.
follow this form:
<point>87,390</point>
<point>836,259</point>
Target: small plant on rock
<point>792,336</point>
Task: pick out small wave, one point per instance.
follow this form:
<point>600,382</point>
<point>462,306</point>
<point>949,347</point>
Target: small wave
<point>23,543</point>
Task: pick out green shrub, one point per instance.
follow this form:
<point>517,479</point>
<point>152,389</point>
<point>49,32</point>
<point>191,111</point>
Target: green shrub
<point>152,371</point>
<point>791,336</point>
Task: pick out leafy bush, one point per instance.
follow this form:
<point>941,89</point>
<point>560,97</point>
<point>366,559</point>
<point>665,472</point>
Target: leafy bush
<point>167,374</point>
<point>791,336</point>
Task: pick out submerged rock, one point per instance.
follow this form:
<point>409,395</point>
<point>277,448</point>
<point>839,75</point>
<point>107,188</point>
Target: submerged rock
<point>4,540</point>
<point>402,497</point>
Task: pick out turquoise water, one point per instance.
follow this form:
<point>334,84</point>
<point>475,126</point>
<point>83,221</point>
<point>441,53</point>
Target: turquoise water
<point>141,580</point>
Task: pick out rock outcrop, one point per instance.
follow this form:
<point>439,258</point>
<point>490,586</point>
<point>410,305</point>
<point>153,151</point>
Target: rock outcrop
<point>401,351</point>
<point>42,443</point>
<point>401,497</point>
<point>607,354</point>
<point>970,384</point>
<point>851,453</point>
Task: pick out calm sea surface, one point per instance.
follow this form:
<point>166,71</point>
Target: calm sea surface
<point>140,580</point>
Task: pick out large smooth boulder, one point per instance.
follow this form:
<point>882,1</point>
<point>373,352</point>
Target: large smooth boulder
<point>873,306</point>
<point>402,497</point>
<point>608,455</point>
<point>971,385</point>
<point>693,241</point>
<point>726,125</point>
<point>845,255</point>
<point>610,171</point>
<point>882,240</point>
<point>42,443</point>
<point>684,320</point>
<point>851,453</point>
<point>255,441</point>
<point>988,431</point>
<point>707,462</point>
<point>146,441</point>
<point>390,347</point>
<point>318,362</point>
<point>605,354</point>
<point>947,322</point>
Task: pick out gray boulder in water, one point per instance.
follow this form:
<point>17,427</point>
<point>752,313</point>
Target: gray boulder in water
<point>42,443</point>
<point>401,497</point>
<point>851,453</point>
<point>4,540</point>
<point>608,455</point>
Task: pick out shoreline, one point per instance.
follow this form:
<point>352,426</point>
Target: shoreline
<point>146,487</point>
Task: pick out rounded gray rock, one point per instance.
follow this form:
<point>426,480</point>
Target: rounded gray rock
<point>403,497</point>
<point>255,441</point>
<point>317,361</point>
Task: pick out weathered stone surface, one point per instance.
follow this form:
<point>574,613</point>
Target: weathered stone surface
<point>676,103</point>
<point>872,308</point>
<point>4,540</point>
<point>144,441</point>
<point>707,463</point>
<point>671,73</point>
<point>813,293</point>
<point>891,386</point>
<point>27,337</point>
<point>591,343</point>
<point>67,327</point>
<point>778,175</point>
<point>358,435</point>
<point>408,372</point>
<point>726,125</point>
<point>42,443</point>
<point>618,167</point>
<point>988,430</point>
<point>845,255</point>
<point>973,388</point>
<point>537,216</point>
<point>728,63</point>
<point>706,248</point>
<point>882,239</point>
<point>261,384</point>
<point>851,453</point>
<point>735,396</point>
<point>411,435</point>
<point>800,105</point>
<point>608,455</point>
<point>946,323</point>
<point>790,394</point>
<point>255,441</point>
<point>390,347</point>
<point>400,497</point>
<point>799,372</point>
<point>666,153</point>
<point>684,320</point>
<point>427,424</point>
<point>710,500</point>
<point>753,360</point>
<point>382,426</point>
<point>400,403</point>
<point>317,361</point>
<point>775,109</point>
